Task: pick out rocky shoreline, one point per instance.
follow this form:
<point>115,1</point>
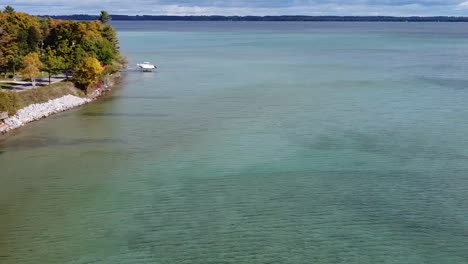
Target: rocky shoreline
<point>39,111</point>
<point>36,112</point>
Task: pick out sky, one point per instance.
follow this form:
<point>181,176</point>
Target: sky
<point>244,7</point>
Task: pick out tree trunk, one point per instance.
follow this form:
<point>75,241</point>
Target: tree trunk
<point>49,78</point>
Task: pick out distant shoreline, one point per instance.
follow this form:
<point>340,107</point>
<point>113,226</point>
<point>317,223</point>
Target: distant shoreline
<point>267,18</point>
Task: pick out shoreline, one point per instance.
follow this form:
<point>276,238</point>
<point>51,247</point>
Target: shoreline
<point>35,112</point>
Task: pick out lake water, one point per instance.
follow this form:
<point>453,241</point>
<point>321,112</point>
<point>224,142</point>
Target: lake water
<point>253,143</point>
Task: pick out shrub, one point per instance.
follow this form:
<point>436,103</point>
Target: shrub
<point>9,102</point>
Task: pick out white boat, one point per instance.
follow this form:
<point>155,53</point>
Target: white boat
<point>146,66</point>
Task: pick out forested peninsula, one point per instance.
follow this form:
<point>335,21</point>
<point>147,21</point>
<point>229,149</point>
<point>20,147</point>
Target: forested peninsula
<point>80,57</point>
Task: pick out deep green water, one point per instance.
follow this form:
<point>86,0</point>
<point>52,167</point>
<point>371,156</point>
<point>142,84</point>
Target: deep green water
<point>253,143</point>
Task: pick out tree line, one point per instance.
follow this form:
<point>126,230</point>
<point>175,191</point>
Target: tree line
<point>30,44</point>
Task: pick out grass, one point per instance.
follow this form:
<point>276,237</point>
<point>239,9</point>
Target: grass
<point>13,101</point>
<point>49,92</point>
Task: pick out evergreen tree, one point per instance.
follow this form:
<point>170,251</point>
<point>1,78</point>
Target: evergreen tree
<point>9,10</point>
<point>34,38</point>
<point>104,17</point>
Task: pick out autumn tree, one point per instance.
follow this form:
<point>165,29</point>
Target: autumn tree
<point>31,67</point>
<point>87,73</point>
<point>8,46</point>
<point>8,49</point>
<point>23,36</point>
<point>63,44</point>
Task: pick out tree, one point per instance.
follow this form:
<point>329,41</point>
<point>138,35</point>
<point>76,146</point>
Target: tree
<point>6,50</point>
<point>65,50</point>
<point>33,38</point>
<point>9,10</point>
<point>53,64</point>
<point>21,38</point>
<point>71,41</point>
<point>32,67</point>
<point>104,51</point>
<point>104,17</point>
<point>109,33</point>
<point>8,47</point>
<point>88,72</point>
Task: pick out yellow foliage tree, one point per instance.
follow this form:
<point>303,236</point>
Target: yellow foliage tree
<point>88,72</point>
<point>32,67</point>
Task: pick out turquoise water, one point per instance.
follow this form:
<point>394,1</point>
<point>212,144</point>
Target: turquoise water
<point>253,143</point>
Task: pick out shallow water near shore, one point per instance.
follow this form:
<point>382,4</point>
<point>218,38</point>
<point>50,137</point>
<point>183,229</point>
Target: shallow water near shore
<point>253,143</point>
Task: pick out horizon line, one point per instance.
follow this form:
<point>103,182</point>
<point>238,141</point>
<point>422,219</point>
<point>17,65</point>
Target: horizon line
<point>265,18</point>
<point>318,16</point>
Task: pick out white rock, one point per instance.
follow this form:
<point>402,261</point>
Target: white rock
<point>38,111</point>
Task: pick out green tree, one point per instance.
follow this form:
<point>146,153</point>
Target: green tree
<point>9,10</point>
<point>109,33</point>
<point>53,63</point>
<point>87,73</point>
<point>32,67</point>
<point>104,51</point>
<point>104,17</point>
<point>65,50</point>
<point>33,38</point>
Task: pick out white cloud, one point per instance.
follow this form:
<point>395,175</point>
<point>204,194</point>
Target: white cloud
<point>463,5</point>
